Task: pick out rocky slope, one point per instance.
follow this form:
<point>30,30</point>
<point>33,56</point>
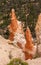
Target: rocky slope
<point>8,52</point>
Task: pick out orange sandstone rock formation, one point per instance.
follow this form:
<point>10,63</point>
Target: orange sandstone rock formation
<point>13,25</point>
<point>15,28</point>
<point>30,49</point>
<point>17,35</point>
<point>29,40</point>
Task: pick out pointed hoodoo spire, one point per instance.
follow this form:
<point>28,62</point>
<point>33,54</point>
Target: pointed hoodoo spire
<point>29,38</point>
<point>13,25</point>
<point>13,20</point>
<point>30,48</point>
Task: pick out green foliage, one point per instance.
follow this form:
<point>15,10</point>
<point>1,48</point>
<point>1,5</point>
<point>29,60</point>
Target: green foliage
<point>17,62</point>
<point>6,21</point>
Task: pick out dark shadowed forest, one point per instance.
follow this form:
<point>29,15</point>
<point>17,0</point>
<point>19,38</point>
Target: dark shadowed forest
<point>27,11</point>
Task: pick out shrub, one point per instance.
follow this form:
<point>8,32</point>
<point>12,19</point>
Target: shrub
<point>17,62</point>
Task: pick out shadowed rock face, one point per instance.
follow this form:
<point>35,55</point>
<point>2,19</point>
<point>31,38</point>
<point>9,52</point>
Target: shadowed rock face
<point>38,29</point>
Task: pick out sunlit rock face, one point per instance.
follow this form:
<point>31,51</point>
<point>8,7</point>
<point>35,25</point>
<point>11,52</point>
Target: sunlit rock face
<point>8,52</point>
<point>39,50</point>
<point>17,53</point>
<point>36,61</point>
<point>19,35</point>
<point>38,29</point>
<point>4,51</point>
